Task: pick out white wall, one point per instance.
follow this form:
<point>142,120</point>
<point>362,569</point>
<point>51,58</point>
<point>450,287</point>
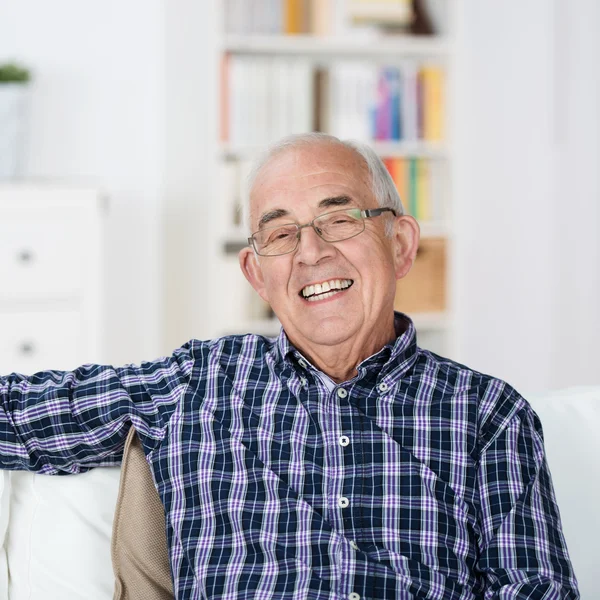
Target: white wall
<point>528,191</point>
<point>577,165</point>
<point>98,117</point>
<point>190,169</point>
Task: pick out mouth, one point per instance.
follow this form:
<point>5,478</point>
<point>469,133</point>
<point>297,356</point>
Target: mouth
<point>326,289</point>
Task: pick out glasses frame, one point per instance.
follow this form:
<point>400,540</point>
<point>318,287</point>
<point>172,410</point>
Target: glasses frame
<point>364,214</point>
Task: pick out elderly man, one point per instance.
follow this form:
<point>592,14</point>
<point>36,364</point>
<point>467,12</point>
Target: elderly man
<point>337,461</point>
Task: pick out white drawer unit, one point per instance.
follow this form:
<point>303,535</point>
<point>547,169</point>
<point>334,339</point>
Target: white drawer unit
<point>33,254</point>
<point>50,277</point>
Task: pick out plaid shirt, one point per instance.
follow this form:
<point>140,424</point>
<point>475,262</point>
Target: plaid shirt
<point>418,478</point>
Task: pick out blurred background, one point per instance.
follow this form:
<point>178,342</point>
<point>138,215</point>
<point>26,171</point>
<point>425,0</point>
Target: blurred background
<point>127,128</point>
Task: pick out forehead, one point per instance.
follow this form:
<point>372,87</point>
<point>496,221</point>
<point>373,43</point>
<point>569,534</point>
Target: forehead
<point>305,175</point>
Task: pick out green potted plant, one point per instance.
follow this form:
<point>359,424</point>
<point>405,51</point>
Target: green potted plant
<point>14,80</point>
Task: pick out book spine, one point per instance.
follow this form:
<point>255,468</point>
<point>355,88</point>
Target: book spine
<point>303,96</point>
<point>409,103</point>
<point>438,184</point>
<point>281,100</point>
<point>400,179</point>
<point>420,87</point>
<point>366,90</point>
<point>320,17</point>
<point>390,166</point>
<point>412,186</point>
<point>383,118</point>
<point>321,114</point>
<point>262,96</point>
<point>423,197</point>
<point>276,20</point>
<point>293,17</point>
<point>434,103</point>
<point>393,77</point>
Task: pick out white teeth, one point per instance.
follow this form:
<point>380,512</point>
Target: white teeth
<point>325,289</point>
<point>322,296</point>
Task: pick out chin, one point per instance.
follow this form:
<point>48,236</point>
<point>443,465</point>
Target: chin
<point>327,332</point>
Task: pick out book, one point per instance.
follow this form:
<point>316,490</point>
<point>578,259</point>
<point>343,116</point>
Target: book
<point>319,17</point>
<point>409,102</point>
<point>401,180</point>
<point>393,77</point>
<point>294,17</point>
<point>433,103</point>
<point>352,99</point>
<point>383,111</point>
<point>301,97</point>
<point>412,187</point>
<point>397,13</point>
<point>423,200</point>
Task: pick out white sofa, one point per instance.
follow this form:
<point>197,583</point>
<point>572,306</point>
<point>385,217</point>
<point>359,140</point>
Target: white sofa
<point>57,530</point>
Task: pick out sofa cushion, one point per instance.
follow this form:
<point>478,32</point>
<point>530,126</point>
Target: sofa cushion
<point>4,516</point>
<point>571,420</point>
<point>139,544</point>
<point>58,536</point>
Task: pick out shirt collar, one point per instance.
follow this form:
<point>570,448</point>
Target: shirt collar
<point>393,360</point>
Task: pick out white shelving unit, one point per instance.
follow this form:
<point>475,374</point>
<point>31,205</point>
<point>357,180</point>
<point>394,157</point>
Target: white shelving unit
<point>327,47</point>
<point>229,309</point>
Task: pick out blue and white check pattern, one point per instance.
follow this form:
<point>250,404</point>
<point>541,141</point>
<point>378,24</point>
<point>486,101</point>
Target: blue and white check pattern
<point>418,478</point>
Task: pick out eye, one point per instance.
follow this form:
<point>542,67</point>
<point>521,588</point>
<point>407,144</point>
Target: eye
<point>281,234</point>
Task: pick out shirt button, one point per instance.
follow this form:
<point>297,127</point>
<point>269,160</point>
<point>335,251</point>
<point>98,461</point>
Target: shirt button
<point>304,382</point>
<point>354,596</point>
<point>354,544</point>
<point>342,393</point>
<point>383,387</point>
<point>302,363</point>
<point>344,440</point>
<point>343,502</point>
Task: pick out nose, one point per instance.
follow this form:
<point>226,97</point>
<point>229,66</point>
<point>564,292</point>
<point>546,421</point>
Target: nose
<point>312,248</point>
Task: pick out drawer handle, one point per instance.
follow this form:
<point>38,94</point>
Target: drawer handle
<point>27,348</point>
<point>25,256</point>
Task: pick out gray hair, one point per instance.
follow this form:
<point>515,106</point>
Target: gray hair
<point>383,186</point>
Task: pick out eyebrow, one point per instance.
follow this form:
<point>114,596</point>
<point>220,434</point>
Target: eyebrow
<point>271,216</point>
<point>277,213</point>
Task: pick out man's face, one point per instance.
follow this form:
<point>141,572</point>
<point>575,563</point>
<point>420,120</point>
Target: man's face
<point>295,187</point>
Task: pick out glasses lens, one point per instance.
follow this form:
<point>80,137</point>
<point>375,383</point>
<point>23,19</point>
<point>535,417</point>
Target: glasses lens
<point>340,225</point>
<point>276,240</point>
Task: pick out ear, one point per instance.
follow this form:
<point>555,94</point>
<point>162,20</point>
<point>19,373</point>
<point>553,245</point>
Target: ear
<point>407,234</point>
<point>252,271</point>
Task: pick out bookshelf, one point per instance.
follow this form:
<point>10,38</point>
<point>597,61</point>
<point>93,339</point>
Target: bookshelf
<point>324,47</point>
<point>296,76</point>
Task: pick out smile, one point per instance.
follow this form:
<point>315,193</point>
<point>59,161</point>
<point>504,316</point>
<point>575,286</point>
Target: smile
<point>320,291</point>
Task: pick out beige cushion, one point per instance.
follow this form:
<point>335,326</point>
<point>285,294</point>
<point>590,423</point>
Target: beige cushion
<point>139,542</point>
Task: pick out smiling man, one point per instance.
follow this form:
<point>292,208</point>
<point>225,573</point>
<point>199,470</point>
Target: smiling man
<point>332,283</point>
<point>338,461</point>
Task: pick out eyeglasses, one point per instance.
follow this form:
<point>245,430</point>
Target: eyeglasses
<point>333,226</point>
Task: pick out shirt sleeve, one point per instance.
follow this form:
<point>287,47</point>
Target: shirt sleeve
<point>58,422</point>
<point>523,554</point>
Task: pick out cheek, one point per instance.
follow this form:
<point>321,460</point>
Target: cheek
<point>276,279</point>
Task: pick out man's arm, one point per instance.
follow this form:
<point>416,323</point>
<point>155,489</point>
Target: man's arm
<point>523,554</point>
<point>68,422</point>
